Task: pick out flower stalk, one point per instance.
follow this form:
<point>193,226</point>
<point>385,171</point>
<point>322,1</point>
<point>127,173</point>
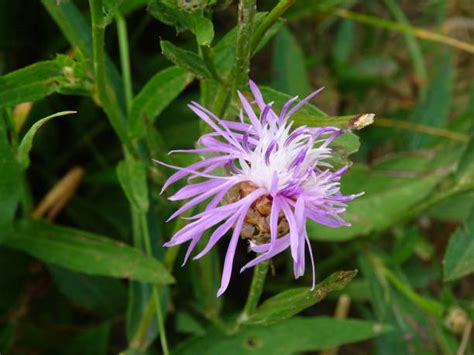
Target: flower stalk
<point>255,292</point>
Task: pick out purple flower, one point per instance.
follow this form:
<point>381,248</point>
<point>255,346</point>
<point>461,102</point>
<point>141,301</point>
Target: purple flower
<point>276,179</point>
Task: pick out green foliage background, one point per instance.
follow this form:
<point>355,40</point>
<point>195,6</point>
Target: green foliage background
<point>92,91</point>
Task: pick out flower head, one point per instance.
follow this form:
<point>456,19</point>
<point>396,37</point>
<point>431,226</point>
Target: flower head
<point>277,178</point>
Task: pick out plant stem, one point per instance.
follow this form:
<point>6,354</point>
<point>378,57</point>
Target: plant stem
<point>417,127</point>
<point>169,260</point>
<point>239,74</point>
<point>256,289</point>
<point>269,20</point>
<point>403,28</point>
<point>156,298</point>
<point>107,96</point>
<point>247,11</point>
<point>124,58</point>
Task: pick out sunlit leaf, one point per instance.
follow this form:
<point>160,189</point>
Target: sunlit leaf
<point>85,252</point>
<point>294,335</point>
<point>459,257</point>
<point>291,302</point>
<point>157,94</point>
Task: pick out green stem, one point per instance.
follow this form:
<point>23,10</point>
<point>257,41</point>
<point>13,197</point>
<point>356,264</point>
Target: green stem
<point>247,11</point>
<point>124,58</point>
<point>269,21</point>
<point>107,96</point>
<point>156,298</point>
<point>256,289</point>
<point>403,28</point>
<point>146,319</point>
<point>240,70</point>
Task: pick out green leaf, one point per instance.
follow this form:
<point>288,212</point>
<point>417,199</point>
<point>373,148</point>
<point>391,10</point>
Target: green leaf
<point>388,194</point>
<point>72,24</point>
<point>85,252</point>
<point>36,81</point>
<point>459,258</point>
<point>185,59</point>
<point>342,147</point>
<point>343,43</point>
<point>92,341</point>
<point>465,170</point>
<point>195,21</point>
<point>157,94</point>
<point>294,335</point>
<point>186,323</point>
<point>10,176</point>
<point>26,144</point>
<point>102,295</point>
<point>204,30</point>
<point>132,5</point>
<point>78,33</point>
<point>132,175</point>
<point>434,109</point>
<point>291,302</point>
<point>288,65</point>
<point>358,121</point>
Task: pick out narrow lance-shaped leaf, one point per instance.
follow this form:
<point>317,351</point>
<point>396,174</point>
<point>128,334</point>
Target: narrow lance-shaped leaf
<point>85,252</point>
<point>399,194</point>
<point>357,121</point>
<point>291,302</point>
<point>27,141</point>
<point>292,336</point>
<point>156,95</point>
<point>132,177</point>
<point>35,81</point>
<point>9,180</point>
<point>465,172</point>
<point>185,59</point>
<point>459,258</point>
<point>170,14</point>
<point>103,295</point>
<point>288,65</point>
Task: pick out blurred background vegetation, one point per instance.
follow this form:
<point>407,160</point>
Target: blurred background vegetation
<point>67,291</point>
